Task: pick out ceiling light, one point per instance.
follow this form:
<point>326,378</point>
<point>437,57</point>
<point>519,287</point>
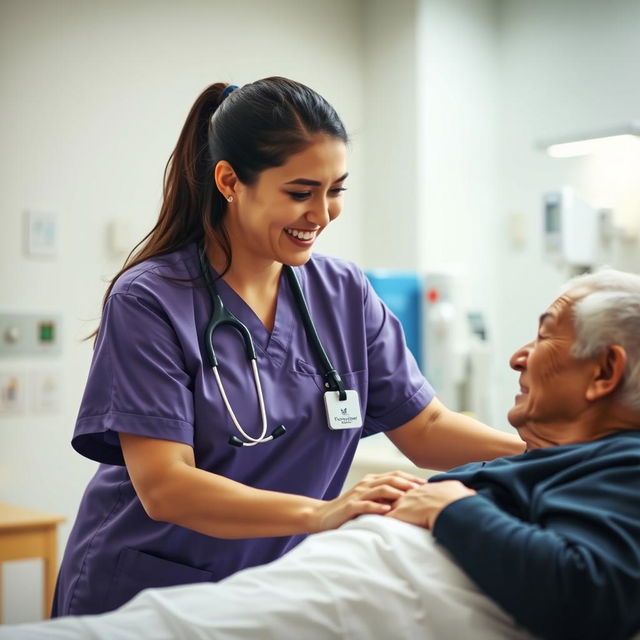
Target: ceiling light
<point>590,142</point>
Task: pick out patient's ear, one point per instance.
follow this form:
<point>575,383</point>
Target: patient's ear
<point>608,374</point>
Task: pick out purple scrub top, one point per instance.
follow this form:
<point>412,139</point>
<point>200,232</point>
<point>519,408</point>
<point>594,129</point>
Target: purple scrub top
<point>149,376</point>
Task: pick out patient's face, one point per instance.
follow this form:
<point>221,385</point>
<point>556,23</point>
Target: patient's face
<point>552,381</point>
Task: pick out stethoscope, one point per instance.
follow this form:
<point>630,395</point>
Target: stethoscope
<point>221,316</point>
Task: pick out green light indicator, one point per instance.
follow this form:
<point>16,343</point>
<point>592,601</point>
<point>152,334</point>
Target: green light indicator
<point>46,330</point>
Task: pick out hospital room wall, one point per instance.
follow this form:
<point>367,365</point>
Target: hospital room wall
<point>94,95</point>
<point>388,136</point>
<point>430,161</point>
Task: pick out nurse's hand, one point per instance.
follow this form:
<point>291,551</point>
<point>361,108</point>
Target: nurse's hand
<point>375,493</point>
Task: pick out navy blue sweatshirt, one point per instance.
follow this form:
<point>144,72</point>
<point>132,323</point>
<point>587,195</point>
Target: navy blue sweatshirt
<point>553,536</point>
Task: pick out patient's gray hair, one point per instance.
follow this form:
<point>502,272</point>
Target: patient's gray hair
<point>609,315</point>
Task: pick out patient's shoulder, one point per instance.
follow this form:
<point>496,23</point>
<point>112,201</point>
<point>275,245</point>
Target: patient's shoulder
<point>625,444</point>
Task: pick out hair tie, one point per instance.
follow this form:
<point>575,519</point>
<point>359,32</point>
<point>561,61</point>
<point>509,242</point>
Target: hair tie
<point>228,89</point>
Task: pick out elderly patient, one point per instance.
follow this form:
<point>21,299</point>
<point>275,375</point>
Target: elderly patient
<point>543,544</point>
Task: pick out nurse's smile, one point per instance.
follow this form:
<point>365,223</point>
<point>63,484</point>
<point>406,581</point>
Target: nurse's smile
<point>302,238</point>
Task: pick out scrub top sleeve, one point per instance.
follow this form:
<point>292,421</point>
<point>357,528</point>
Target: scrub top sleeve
<point>137,382</point>
<point>397,390</point>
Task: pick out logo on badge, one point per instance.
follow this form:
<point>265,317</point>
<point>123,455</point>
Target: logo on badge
<point>344,412</point>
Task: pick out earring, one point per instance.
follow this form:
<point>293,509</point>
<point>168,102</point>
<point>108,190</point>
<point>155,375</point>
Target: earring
<point>229,198</point>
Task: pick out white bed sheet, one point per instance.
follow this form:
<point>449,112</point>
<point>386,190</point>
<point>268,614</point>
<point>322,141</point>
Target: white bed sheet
<point>374,578</point>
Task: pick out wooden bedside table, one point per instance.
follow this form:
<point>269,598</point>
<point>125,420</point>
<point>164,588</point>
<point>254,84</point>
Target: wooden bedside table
<point>27,533</point>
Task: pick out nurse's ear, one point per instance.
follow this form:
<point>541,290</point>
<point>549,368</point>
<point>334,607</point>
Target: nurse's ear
<point>226,180</point>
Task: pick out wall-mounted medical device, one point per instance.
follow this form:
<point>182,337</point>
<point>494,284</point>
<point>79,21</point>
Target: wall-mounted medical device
<point>448,343</point>
<point>30,334</point>
<point>447,334</point>
<point>30,348</point>
<point>402,293</point>
<point>571,228</point>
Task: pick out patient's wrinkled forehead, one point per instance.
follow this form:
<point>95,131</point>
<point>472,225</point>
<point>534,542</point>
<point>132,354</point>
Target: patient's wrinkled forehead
<point>561,309</point>
<point>558,312</point>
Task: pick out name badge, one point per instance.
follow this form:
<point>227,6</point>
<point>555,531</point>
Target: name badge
<point>343,414</point>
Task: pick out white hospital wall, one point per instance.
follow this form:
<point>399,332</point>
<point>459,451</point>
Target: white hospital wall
<point>388,134</point>
<point>458,107</point>
<point>430,149</point>
<point>431,103</point>
<point>457,148</point>
<point>93,98</point>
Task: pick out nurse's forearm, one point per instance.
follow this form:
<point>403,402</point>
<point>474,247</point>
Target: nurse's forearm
<point>239,511</point>
<point>172,489</point>
<point>456,439</point>
<point>440,439</point>
<point>217,506</point>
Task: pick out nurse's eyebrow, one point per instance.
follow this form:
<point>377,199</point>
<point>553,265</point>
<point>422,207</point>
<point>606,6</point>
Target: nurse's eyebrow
<point>314,183</point>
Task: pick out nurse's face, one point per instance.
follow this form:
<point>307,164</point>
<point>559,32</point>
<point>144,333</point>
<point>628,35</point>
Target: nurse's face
<point>280,216</point>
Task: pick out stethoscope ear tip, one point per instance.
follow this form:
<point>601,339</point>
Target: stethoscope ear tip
<point>235,441</point>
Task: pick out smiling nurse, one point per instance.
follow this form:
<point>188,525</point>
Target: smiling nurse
<point>212,461</point>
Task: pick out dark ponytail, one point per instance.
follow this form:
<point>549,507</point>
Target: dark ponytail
<point>254,128</point>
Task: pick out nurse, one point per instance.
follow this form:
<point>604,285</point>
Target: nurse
<point>191,487</point>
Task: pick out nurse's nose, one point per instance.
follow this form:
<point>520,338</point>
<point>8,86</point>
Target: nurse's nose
<point>518,361</point>
<point>321,211</point>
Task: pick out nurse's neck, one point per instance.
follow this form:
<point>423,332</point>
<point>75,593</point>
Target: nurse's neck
<point>255,280</point>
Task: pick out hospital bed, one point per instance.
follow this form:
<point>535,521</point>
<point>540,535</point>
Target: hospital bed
<point>374,578</point>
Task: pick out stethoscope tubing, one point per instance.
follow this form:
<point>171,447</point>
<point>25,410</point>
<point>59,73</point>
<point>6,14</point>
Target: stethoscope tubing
<point>263,414</point>
<point>220,316</point>
<point>333,381</point>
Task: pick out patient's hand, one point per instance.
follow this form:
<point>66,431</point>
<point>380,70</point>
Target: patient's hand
<point>423,505</point>
<point>375,493</point>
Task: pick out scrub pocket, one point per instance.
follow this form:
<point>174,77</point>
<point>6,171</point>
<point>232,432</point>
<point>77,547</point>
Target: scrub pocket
<point>136,570</point>
<point>356,380</point>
